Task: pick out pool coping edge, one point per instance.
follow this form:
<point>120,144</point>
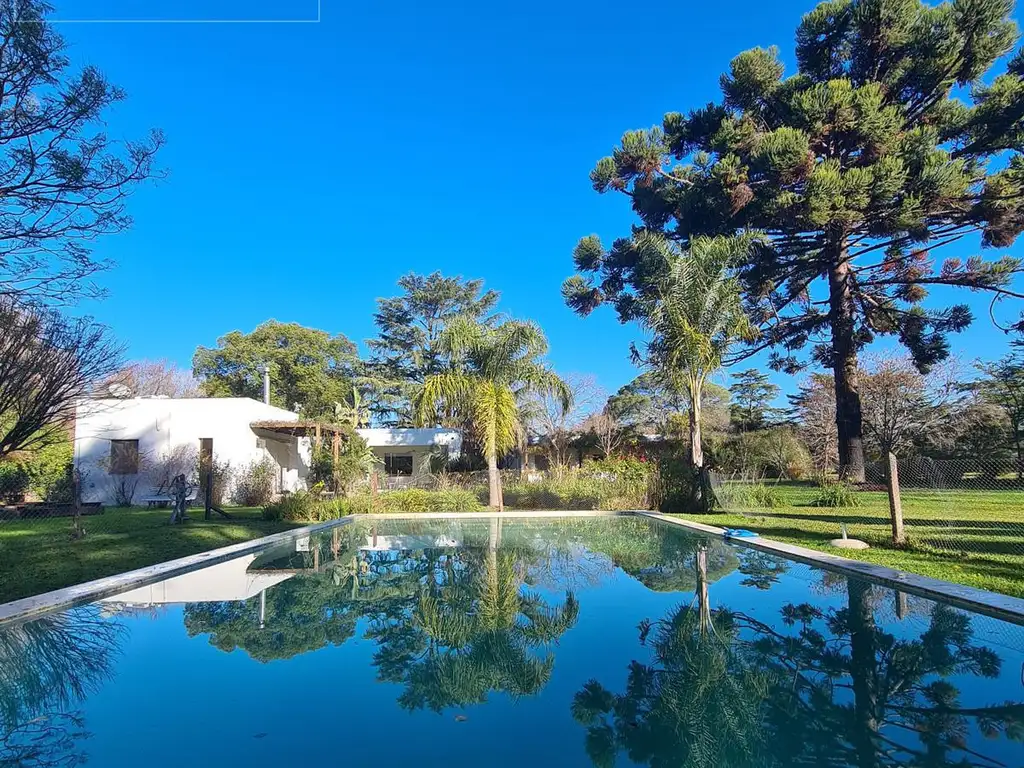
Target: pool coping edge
<point>993,604</point>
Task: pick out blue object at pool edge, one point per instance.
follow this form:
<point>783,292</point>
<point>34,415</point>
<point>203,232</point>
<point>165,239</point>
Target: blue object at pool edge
<point>739,533</point>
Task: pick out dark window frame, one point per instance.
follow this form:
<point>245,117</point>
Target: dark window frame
<point>389,464</point>
<point>124,457</point>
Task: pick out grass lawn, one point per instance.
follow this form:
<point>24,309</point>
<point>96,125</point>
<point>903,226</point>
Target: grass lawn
<point>38,555</point>
<point>967,536</point>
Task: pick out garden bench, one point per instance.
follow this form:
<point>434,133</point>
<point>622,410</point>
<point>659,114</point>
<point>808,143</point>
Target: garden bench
<point>165,499</point>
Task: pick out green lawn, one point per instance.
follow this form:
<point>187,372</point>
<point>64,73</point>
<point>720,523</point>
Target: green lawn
<point>39,555</point>
<point>970,537</point>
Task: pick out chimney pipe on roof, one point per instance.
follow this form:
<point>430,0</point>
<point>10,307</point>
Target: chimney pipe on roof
<point>266,383</point>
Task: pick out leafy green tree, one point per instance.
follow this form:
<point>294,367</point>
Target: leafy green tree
<point>752,396</point>
<point>651,405</point>
<point>858,169</point>
<point>1002,385</point>
<point>692,310</point>
<point>407,348</point>
<point>493,368</point>
<point>310,370</point>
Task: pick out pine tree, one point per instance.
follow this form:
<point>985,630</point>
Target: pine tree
<point>406,350</point>
<point>859,168</point>
<point>752,396</point>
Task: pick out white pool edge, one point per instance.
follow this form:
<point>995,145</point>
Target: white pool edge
<point>1003,607</point>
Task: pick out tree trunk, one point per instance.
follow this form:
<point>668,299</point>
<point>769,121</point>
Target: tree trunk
<point>696,449</point>
<point>494,498</point>
<point>863,670</point>
<point>849,420</point>
<point>702,482</point>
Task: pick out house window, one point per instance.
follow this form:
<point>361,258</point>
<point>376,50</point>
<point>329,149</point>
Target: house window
<point>124,457</point>
<point>397,464</point>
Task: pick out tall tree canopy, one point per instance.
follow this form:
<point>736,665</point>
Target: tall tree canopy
<point>310,370</point>
<point>407,349</point>
<point>752,396</point>
<point>858,168</point>
<point>63,182</point>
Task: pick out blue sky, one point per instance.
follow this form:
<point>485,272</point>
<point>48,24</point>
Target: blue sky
<point>311,165</point>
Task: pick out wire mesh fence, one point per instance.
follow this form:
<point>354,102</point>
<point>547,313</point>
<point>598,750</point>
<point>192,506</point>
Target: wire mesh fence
<point>969,507</point>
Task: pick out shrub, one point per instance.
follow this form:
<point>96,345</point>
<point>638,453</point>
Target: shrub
<point>678,486</point>
<point>293,507</point>
<point>223,474</point>
<point>254,484</point>
<point>776,452</point>
<point>588,488</point>
<point>835,493</point>
<point>14,481</point>
<point>49,471</point>
<point>743,495</point>
<point>305,507</point>
<point>417,500</point>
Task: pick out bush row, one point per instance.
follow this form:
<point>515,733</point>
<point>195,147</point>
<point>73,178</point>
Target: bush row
<point>307,508</point>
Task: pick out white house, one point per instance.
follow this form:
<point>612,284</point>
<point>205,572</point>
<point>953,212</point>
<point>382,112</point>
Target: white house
<point>115,439</point>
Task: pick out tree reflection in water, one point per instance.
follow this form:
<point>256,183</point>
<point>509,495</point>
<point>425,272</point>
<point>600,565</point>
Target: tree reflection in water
<point>47,667</point>
<point>831,688</point>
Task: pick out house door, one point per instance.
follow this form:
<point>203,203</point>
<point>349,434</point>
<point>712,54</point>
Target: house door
<point>205,464</point>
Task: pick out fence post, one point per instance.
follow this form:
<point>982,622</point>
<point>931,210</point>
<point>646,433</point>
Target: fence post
<point>892,485</point>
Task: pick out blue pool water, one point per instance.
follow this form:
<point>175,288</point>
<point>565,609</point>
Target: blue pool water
<point>575,642</point>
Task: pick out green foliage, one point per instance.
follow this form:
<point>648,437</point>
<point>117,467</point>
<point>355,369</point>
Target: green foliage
<point>835,493</point>
<point>309,369</point>
<point>752,396</point>
<point>299,507</point>
<point>417,500</point>
<point>254,483</point>
<point>14,481</point>
<point>305,507</point>
<point>857,169</point>
<point>356,460</point>
<point>408,346</point>
<point>743,495</point>
<point>49,471</point>
<point>608,484</point>
<point>494,368</point>
<point>776,452</point>
<point>677,488</point>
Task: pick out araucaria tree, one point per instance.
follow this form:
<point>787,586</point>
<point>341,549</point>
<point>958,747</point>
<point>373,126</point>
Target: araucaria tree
<point>493,370</point>
<point>690,304</point>
<point>861,169</point>
<point>63,182</point>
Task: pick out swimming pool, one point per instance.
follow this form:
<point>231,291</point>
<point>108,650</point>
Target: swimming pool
<point>569,642</point>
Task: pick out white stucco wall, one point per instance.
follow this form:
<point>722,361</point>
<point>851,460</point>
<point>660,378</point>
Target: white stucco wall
<point>418,443</point>
<point>162,424</point>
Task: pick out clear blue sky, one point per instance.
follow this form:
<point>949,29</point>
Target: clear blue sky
<point>311,165</point>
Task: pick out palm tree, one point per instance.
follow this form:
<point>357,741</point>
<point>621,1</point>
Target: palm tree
<point>492,368</point>
<point>694,317</point>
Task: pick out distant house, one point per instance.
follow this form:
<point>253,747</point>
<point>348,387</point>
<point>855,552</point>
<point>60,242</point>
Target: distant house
<point>122,442</point>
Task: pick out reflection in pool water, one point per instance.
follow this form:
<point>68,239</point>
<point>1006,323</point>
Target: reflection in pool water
<point>572,642</point>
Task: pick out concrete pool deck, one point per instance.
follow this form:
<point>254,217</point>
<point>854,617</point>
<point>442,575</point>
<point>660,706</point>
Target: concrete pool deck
<point>1003,607</point>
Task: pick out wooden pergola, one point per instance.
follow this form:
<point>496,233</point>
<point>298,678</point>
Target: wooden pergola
<point>317,430</point>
